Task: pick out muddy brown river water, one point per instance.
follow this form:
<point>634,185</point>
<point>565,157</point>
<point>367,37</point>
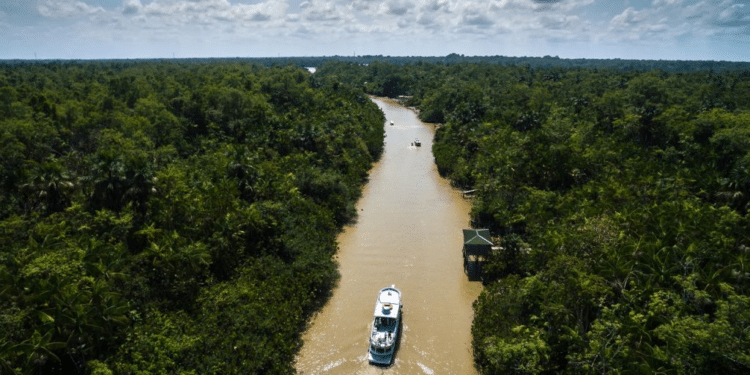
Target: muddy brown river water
<point>408,234</point>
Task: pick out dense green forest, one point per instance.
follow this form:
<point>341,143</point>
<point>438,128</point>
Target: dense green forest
<point>453,58</point>
<point>171,217</point>
<point>620,199</point>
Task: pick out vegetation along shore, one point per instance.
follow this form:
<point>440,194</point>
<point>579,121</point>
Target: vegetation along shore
<point>620,198</point>
<point>164,218</point>
<point>181,216</point>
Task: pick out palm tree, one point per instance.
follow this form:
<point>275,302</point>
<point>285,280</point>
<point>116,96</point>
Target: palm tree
<point>107,175</point>
<point>49,186</point>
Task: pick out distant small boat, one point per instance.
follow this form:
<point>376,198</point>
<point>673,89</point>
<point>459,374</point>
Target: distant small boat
<point>385,326</point>
<point>417,142</point>
<point>391,123</point>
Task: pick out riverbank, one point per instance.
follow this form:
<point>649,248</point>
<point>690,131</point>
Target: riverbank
<point>408,233</point>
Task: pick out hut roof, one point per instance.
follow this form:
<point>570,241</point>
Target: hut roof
<point>477,237</point>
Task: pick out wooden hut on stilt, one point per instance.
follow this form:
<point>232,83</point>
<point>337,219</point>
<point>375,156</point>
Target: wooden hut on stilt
<point>477,245</point>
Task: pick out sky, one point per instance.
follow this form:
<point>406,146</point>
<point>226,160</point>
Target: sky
<point>625,29</point>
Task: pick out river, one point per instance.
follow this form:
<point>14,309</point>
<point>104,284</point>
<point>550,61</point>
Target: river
<point>408,233</point>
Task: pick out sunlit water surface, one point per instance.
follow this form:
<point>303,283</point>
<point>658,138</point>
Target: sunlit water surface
<point>408,233</point>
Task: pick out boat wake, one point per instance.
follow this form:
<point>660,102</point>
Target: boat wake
<point>426,369</point>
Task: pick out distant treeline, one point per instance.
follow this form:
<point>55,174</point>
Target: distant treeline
<point>536,62</point>
<point>169,217</point>
<point>620,199</point>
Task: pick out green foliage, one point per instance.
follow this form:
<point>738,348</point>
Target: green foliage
<point>147,206</point>
<point>620,198</point>
<point>699,344</point>
<point>523,353</point>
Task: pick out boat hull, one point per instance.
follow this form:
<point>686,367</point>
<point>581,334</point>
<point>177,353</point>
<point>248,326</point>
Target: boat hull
<point>380,359</point>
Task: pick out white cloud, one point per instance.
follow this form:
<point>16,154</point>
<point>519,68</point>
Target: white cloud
<point>434,15</point>
<point>572,5</point>
<point>539,5</point>
<point>132,6</point>
<point>527,25</point>
<point>734,15</point>
<point>666,20</point>
<point>435,6</point>
<point>362,5</point>
<point>325,11</point>
<point>426,19</point>
<point>476,16</point>
<point>628,19</point>
<point>658,3</point>
<point>513,5</point>
<point>397,8</point>
<point>66,8</point>
<point>188,11</point>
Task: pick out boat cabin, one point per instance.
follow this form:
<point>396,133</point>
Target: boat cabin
<point>385,326</point>
<point>388,305</point>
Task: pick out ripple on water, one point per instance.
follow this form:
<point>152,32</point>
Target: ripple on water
<point>426,369</point>
<point>333,364</point>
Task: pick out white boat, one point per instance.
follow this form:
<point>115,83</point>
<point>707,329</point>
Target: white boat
<point>391,123</point>
<point>385,326</point>
<point>417,142</point>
